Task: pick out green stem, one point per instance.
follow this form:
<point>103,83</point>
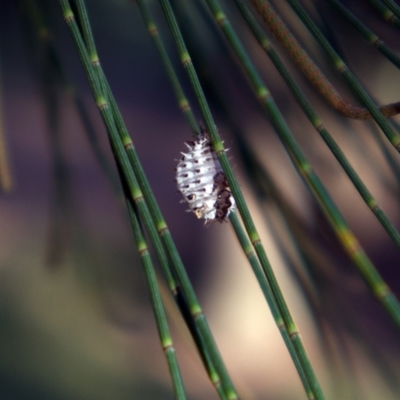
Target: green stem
<point>378,287</point>
<point>313,117</point>
<point>158,308</point>
<point>392,6</point>
<point>370,36</point>
<point>269,297</point>
<point>241,204</point>
<point>351,80</point>
<point>179,93</point>
<point>310,70</point>
<point>139,190</point>
<point>385,13</point>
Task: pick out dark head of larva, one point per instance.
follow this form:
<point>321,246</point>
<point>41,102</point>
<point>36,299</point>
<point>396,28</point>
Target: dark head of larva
<point>223,205</point>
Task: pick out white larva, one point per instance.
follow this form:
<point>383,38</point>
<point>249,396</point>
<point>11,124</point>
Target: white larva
<point>202,182</point>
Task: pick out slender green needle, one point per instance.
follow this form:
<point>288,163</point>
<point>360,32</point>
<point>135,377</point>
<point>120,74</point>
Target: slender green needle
<point>347,74</point>
<point>385,13</point>
<point>132,187</point>
<point>392,6</point>
<point>310,70</point>
<point>194,318</point>
<point>186,61</point>
<point>248,249</point>
<point>118,148</point>
<point>246,245</point>
<point>313,117</point>
<point>351,245</point>
<point>269,296</point>
<point>250,227</point>
<point>186,109</point>
<point>153,31</point>
<point>368,34</point>
<point>124,153</point>
<point>158,308</point>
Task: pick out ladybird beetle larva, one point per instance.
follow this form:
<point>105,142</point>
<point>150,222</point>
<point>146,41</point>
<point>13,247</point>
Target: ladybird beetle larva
<point>202,181</point>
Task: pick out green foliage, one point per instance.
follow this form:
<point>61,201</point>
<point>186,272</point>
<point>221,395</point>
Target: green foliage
<point>293,187</point>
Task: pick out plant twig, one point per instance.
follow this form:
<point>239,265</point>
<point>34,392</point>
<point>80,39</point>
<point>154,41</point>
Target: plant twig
<point>311,70</point>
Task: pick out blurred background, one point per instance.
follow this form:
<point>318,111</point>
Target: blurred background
<point>75,317</point>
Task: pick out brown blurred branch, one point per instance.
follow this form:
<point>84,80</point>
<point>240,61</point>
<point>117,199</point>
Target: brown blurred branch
<point>310,70</point>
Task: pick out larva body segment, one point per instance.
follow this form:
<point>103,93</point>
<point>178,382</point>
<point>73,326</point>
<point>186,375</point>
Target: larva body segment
<point>202,182</point>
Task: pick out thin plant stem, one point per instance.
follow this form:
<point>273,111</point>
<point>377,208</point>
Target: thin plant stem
<point>392,6</point>
<point>193,316</point>
<point>349,77</point>
<point>269,297</point>
<point>349,242</point>
<point>370,36</point>
<point>385,13</point>
<point>98,152</point>
<point>240,233</point>
<point>156,302</point>
<point>249,224</point>
<point>183,102</point>
<point>312,72</point>
<point>185,107</point>
<point>123,151</point>
<point>316,121</point>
